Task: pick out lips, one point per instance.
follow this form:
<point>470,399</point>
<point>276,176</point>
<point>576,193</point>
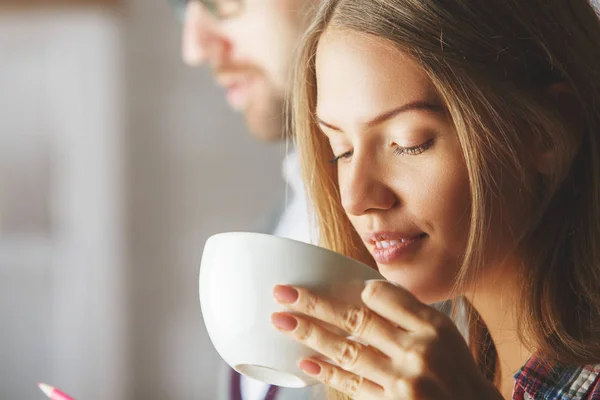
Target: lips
<point>237,90</point>
<point>237,94</point>
<point>386,244</point>
<point>388,247</point>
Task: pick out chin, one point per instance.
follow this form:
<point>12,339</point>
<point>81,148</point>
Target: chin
<point>264,119</point>
<point>264,133</point>
<point>427,289</point>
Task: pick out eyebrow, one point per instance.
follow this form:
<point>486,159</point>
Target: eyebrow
<point>415,105</point>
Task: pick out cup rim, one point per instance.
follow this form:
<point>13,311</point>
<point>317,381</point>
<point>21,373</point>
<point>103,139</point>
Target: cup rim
<point>288,240</point>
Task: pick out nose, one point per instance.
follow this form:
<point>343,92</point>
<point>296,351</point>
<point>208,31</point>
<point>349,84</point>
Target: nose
<point>363,189</point>
<point>202,41</point>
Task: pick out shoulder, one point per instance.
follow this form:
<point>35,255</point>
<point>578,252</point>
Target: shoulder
<point>594,390</point>
<point>584,383</point>
<point>540,379</point>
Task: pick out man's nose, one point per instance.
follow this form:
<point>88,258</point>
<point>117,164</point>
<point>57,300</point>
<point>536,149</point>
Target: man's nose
<point>202,41</point>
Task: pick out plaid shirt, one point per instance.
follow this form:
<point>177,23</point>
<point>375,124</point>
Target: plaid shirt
<point>540,380</point>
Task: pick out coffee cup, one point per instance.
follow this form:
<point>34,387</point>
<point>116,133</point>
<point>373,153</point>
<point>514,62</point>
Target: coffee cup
<point>237,275</point>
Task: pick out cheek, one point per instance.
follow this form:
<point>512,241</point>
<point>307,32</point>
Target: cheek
<point>265,37</point>
<point>252,43</point>
<point>284,6</point>
<point>441,200</point>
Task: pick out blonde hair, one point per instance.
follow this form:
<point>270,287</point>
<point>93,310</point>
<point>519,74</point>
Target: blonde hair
<point>492,62</point>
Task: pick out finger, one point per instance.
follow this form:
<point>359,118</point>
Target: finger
<point>348,383</point>
<point>358,321</point>
<point>348,354</point>
<point>400,307</point>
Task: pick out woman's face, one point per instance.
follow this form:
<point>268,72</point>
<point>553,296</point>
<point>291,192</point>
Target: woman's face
<point>401,173</point>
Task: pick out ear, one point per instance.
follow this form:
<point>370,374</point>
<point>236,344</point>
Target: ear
<point>564,101</point>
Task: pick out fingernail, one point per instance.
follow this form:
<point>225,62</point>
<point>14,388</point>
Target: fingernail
<point>310,367</point>
<point>285,294</point>
<point>284,321</point>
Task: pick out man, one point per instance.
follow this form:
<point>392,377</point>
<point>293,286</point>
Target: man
<point>249,46</point>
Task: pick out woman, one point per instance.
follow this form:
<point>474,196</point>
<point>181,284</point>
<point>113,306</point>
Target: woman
<point>454,145</point>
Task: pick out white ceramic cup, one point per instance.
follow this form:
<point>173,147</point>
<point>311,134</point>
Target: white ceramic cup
<point>237,275</point>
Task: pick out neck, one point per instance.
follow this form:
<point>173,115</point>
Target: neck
<point>496,300</point>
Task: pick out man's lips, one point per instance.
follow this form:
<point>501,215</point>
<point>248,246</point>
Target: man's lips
<point>228,80</point>
<point>242,83</point>
<point>238,92</point>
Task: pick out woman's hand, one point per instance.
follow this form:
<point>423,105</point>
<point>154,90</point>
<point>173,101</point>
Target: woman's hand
<point>413,351</point>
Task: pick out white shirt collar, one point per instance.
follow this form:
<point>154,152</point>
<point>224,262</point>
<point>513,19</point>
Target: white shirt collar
<point>292,173</point>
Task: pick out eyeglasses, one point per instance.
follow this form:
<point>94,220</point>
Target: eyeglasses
<point>220,9</point>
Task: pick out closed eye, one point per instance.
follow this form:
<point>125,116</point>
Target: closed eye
<point>347,154</point>
<point>413,150</point>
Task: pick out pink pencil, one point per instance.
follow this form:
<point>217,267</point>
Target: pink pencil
<point>53,393</point>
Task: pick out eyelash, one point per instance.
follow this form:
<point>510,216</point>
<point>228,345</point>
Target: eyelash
<point>399,151</point>
<point>414,150</point>
<point>338,158</point>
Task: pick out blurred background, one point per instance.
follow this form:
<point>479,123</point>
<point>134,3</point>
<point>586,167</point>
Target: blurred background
<point>116,164</point>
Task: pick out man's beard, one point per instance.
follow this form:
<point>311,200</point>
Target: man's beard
<point>265,116</point>
<point>264,112</point>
